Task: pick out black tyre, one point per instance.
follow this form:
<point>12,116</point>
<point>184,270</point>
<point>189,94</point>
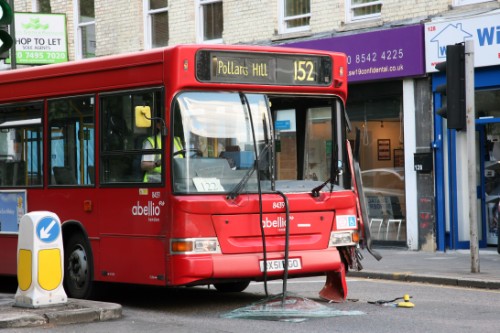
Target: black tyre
<point>231,287</point>
<point>78,267</point>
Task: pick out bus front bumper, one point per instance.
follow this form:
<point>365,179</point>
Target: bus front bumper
<point>195,268</point>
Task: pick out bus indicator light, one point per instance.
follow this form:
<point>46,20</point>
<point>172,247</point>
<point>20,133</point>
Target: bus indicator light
<point>195,246</point>
<point>87,205</point>
<point>182,246</point>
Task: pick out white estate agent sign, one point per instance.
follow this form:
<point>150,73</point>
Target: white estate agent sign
<point>41,38</point>
<point>484,30</point>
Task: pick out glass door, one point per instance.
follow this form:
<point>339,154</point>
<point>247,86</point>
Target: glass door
<point>489,137</point>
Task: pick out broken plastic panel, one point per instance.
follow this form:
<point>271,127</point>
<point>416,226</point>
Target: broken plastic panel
<point>287,308</point>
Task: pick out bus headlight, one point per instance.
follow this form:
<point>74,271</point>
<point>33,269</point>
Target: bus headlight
<point>194,246</point>
<point>342,238</point>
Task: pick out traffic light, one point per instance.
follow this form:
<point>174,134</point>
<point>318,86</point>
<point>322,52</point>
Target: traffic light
<point>5,21</point>
<point>454,88</point>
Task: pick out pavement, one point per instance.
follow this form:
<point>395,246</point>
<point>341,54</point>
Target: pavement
<point>452,268</point>
<point>72,312</point>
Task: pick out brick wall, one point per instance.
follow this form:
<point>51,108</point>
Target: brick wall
<point>396,10</point>
<point>249,21</point>
<point>120,23</point>
<point>66,7</point>
<point>181,17</point>
<point>119,26</point>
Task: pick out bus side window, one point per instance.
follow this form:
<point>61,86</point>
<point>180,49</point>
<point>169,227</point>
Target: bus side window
<point>21,156</point>
<point>121,140</point>
<point>71,135</point>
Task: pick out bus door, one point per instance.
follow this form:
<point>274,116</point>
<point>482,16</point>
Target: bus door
<point>133,207</point>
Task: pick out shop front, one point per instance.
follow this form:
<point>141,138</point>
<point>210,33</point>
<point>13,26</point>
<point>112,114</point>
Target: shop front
<point>386,93</point>
<point>453,224</point>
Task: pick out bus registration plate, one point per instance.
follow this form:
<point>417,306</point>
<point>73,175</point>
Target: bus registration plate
<point>279,265</point>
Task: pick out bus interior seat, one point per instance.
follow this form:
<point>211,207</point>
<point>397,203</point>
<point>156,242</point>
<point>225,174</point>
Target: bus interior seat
<point>12,173</point>
<point>233,148</point>
<point>64,176</point>
<point>117,132</point>
<point>91,174</point>
<point>3,173</point>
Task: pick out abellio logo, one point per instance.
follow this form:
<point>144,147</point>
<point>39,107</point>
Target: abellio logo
<point>150,209</point>
<point>280,222</point>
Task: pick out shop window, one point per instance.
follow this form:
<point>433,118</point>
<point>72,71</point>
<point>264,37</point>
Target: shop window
<point>157,23</point>
<point>377,112</point>
<point>295,15</point>
<point>85,29</point>
<point>468,2</point>
<point>210,21</point>
<point>363,9</point>
<point>42,6</point>
<point>71,135</point>
<point>486,105</point>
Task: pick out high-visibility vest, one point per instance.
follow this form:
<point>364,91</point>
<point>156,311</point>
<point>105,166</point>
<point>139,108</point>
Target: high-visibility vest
<point>178,146</point>
<point>156,169</point>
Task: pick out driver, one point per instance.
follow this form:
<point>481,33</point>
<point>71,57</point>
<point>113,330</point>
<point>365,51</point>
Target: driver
<point>151,163</point>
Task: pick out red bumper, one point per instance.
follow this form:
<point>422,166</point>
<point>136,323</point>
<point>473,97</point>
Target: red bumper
<point>188,269</point>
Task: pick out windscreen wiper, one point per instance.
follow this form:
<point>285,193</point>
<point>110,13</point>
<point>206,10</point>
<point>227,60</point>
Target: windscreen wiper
<point>255,166</point>
<point>236,190</point>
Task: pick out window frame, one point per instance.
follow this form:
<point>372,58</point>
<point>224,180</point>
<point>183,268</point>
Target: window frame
<point>40,146</point>
<point>469,2</point>
<point>36,7</point>
<point>282,20</point>
<point>78,30</point>
<point>91,179</point>
<point>128,152</point>
<point>200,24</point>
<point>350,7</point>
<point>148,23</point>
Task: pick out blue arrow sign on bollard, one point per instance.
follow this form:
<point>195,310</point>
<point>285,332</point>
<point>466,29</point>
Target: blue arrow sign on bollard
<point>47,229</point>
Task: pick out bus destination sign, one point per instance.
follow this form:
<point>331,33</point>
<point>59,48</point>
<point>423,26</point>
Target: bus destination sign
<point>263,68</point>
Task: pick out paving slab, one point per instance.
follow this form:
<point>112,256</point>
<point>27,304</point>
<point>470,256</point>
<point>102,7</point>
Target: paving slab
<point>72,312</point>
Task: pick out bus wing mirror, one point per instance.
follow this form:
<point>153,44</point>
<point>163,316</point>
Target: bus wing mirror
<point>142,116</point>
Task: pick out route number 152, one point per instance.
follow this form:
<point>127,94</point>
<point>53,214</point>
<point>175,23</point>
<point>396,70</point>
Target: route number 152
<point>303,70</point>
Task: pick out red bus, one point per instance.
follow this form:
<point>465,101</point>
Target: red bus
<point>189,165</point>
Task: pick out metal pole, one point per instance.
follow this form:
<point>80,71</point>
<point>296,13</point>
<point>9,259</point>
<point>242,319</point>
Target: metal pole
<point>471,153</point>
<point>13,53</point>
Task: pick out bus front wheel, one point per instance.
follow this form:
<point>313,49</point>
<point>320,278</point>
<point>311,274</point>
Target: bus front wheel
<point>77,267</point>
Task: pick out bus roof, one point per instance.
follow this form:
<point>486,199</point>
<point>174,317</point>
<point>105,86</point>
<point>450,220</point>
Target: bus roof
<point>148,68</point>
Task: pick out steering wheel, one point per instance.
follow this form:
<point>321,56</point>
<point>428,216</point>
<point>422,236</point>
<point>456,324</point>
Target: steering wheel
<point>191,152</point>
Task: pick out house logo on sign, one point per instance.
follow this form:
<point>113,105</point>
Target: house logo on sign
<point>452,32</point>
<point>47,229</point>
